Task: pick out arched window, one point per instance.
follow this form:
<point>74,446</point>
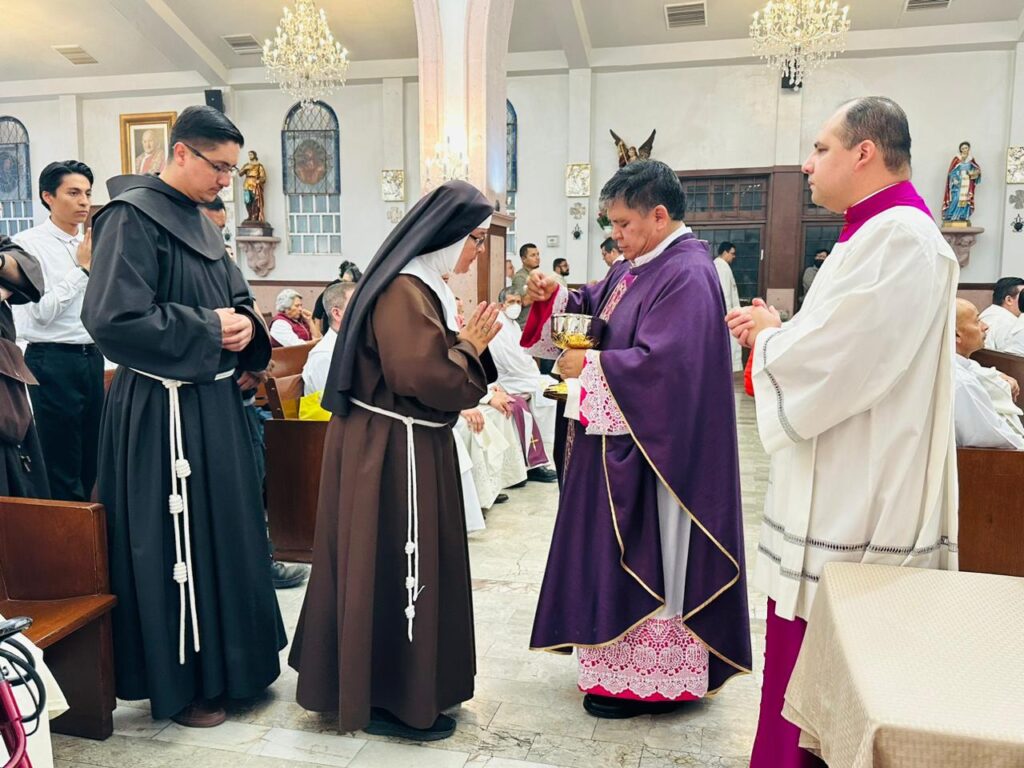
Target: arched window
<point>309,157</point>
<point>15,178</point>
<point>512,168</point>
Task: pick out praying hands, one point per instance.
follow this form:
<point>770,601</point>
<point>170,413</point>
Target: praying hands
<point>746,323</point>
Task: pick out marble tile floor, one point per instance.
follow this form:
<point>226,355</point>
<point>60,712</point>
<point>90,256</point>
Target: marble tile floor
<point>527,711</point>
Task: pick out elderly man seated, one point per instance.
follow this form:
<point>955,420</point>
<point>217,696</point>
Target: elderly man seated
<point>985,414</point>
<point>318,362</point>
<point>495,458</point>
<point>292,325</point>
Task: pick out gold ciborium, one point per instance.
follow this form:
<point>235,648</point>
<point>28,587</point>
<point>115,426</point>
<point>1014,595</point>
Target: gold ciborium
<point>570,331</point>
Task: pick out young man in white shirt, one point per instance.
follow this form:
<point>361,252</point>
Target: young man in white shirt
<point>986,414</point>
<point>61,354</point>
<point>1001,316</point>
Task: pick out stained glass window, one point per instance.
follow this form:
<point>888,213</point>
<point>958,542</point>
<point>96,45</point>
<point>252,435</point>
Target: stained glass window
<point>311,179</point>
<point>15,178</point>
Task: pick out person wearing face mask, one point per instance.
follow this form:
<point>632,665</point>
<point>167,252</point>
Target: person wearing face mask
<point>649,527</point>
<point>385,637</point>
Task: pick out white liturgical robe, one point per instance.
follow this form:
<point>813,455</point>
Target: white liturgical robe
<point>318,363</point>
<point>732,301</point>
<point>1000,322</point>
<point>854,400</point>
<point>985,414</point>
<point>518,374</point>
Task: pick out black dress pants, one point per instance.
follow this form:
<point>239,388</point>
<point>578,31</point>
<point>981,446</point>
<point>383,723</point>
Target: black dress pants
<point>67,405</point>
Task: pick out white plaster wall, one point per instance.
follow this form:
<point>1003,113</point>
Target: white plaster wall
<point>101,130</point>
<point>541,103</point>
<point>260,115</point>
<point>706,117</point>
<point>948,98</point>
<point>42,121</point>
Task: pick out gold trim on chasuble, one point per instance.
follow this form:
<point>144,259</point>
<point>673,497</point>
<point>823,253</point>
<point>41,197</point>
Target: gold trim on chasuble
<point>613,302</point>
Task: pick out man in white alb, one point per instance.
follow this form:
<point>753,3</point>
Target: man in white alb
<point>318,362</point>
<point>854,396</point>
<point>723,265</point>
<point>61,354</point>
<point>986,413</point>
<point>1002,315</point>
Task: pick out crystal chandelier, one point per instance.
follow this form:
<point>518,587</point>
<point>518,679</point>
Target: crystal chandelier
<point>797,36</point>
<point>447,164</point>
<point>304,59</point>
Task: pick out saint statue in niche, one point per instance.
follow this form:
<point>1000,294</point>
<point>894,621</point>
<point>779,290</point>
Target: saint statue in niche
<point>962,179</point>
<point>255,176</point>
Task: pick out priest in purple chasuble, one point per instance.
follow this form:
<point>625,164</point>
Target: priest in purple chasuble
<point>854,399</point>
<point>645,577</point>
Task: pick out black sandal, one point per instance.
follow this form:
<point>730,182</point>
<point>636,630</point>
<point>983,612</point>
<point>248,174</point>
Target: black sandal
<point>383,723</point>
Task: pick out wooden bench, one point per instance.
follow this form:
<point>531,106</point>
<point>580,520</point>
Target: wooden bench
<point>285,361</point>
<point>53,568</point>
<point>991,536</point>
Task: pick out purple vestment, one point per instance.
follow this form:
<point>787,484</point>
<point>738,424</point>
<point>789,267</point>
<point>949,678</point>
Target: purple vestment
<point>666,357</point>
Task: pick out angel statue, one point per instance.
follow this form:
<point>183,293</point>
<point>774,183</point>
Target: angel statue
<point>628,154</point>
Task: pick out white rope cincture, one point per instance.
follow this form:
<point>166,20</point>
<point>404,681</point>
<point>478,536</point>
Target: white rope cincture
<point>177,505</point>
<point>412,536</point>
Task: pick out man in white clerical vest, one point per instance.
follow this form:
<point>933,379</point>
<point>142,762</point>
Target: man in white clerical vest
<point>854,397</point>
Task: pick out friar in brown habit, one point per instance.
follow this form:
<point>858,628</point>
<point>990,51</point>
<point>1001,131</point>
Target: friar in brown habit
<point>386,631</point>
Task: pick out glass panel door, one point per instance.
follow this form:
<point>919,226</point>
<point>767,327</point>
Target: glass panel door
<point>746,267</point>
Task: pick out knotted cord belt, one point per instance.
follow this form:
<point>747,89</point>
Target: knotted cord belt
<point>177,504</point>
<point>412,542</point>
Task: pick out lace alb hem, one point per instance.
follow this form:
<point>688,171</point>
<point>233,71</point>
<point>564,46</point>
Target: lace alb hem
<point>660,656</point>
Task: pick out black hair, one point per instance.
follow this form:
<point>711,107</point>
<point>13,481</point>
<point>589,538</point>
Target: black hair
<point>204,128</point>
<point>883,121</point>
<point>351,268</point>
<point>53,175</point>
<point>1005,288</point>
<point>725,247</point>
<point>524,248</point>
<point>962,143</point>
<point>645,184</point>
<point>556,262</point>
<point>609,245</point>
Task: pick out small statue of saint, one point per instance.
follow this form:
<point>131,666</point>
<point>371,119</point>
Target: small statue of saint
<point>255,176</point>
<point>962,179</point>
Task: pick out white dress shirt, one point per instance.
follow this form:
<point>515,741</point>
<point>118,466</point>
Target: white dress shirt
<point>57,317</point>
<point>985,415</point>
<point>1000,322</point>
<point>283,333</point>
<point>318,363</point>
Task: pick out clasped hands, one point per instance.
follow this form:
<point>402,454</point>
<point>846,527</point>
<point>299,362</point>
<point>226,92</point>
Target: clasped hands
<point>236,330</point>
<point>746,323</point>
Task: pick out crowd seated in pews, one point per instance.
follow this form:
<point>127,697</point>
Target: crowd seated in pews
<point>986,414</point>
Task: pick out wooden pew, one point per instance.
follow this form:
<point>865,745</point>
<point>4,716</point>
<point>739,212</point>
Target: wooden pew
<point>285,361</point>
<point>294,455</point>
<point>53,568</point>
<point>991,536</point>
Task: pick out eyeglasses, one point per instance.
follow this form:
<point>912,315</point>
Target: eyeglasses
<point>480,241</point>
<point>219,168</point>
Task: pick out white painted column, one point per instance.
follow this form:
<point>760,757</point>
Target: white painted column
<point>578,209</point>
<point>393,144</point>
<point>1012,243</point>
<point>70,110</point>
<point>463,46</point>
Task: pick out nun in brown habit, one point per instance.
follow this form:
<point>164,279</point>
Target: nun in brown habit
<point>385,637</point>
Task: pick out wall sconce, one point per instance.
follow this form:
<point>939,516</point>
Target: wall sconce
<point>577,233</point>
<point>1017,225</point>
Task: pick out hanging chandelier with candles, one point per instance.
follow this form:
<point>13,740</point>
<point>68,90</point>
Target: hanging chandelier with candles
<point>304,59</point>
<point>797,36</point>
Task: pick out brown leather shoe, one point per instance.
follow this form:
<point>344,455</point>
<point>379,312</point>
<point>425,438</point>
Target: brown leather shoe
<point>201,714</point>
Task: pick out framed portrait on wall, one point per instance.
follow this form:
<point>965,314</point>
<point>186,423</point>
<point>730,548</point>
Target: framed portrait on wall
<point>144,141</point>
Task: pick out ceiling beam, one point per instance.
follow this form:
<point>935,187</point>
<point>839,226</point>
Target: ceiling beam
<point>162,28</point>
<point>571,27</point>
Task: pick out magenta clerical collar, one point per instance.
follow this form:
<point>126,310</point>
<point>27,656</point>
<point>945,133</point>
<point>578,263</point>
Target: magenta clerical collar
<point>859,214</point>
